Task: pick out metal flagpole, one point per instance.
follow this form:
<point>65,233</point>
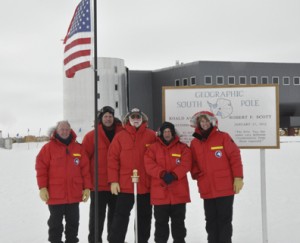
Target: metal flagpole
<point>95,119</point>
<point>135,180</point>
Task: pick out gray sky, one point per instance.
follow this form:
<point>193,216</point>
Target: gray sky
<point>146,34</point>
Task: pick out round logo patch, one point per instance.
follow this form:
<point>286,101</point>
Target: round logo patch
<point>218,154</point>
<point>178,161</point>
<point>76,161</point>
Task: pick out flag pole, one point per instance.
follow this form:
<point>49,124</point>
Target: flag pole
<point>95,119</point>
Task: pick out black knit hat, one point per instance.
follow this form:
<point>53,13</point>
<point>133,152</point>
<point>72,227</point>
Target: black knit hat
<point>104,110</point>
<point>166,125</point>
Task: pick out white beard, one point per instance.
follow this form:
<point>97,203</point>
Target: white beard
<point>135,122</point>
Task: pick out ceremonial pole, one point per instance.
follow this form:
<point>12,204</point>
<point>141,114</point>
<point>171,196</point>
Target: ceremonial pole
<point>135,180</point>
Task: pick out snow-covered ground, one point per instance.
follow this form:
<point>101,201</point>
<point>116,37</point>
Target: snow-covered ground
<point>24,216</point>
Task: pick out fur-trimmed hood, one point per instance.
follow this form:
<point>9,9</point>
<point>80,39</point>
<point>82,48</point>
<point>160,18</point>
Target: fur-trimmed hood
<point>194,122</point>
<point>137,111</point>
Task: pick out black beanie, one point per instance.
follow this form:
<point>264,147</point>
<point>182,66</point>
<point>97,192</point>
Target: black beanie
<point>105,109</point>
<point>167,125</point>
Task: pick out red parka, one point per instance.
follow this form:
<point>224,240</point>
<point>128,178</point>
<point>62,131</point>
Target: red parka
<point>216,161</point>
<point>126,153</point>
<point>64,170</point>
<point>103,144</point>
<point>176,158</point>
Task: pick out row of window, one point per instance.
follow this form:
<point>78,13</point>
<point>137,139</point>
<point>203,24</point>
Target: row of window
<point>232,80</point>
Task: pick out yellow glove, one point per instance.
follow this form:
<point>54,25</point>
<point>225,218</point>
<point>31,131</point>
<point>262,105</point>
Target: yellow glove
<point>238,184</point>
<point>115,188</point>
<point>44,195</point>
<point>85,195</point>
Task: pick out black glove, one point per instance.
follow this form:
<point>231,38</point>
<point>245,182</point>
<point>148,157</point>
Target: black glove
<point>169,177</point>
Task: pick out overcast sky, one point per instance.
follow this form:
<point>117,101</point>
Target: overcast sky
<point>147,34</point>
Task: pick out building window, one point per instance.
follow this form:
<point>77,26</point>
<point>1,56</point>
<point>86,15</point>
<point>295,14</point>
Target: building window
<point>193,81</point>
<point>296,80</point>
<point>264,80</point>
<point>116,69</point>
<point>185,82</point>
<point>116,87</point>
<point>275,80</point>
<point>177,82</point>
<point>253,80</point>
<point>208,80</point>
<point>231,80</point>
<point>220,80</point>
<point>286,80</point>
<point>116,104</point>
<point>242,79</point>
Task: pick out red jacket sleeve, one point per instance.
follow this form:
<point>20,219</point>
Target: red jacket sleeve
<point>152,168</point>
<point>85,171</point>
<point>186,163</point>
<point>113,160</point>
<point>42,166</point>
<point>234,156</point>
<point>88,144</point>
<point>195,171</point>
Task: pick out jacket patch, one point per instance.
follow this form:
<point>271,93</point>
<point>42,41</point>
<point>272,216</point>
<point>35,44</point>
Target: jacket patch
<point>76,161</point>
<point>147,145</point>
<point>77,155</point>
<point>218,154</point>
<point>178,161</point>
<point>176,155</point>
<point>216,147</point>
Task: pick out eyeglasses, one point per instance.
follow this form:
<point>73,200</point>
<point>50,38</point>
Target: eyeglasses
<point>135,116</point>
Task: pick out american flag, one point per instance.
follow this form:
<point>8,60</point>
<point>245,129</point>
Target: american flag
<point>77,53</point>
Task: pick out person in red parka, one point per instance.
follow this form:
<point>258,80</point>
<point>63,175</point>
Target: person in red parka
<point>107,128</point>
<point>218,169</point>
<point>168,161</point>
<point>125,154</point>
<point>63,177</point>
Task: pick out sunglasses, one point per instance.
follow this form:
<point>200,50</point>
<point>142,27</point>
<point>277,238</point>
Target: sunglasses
<point>135,116</point>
